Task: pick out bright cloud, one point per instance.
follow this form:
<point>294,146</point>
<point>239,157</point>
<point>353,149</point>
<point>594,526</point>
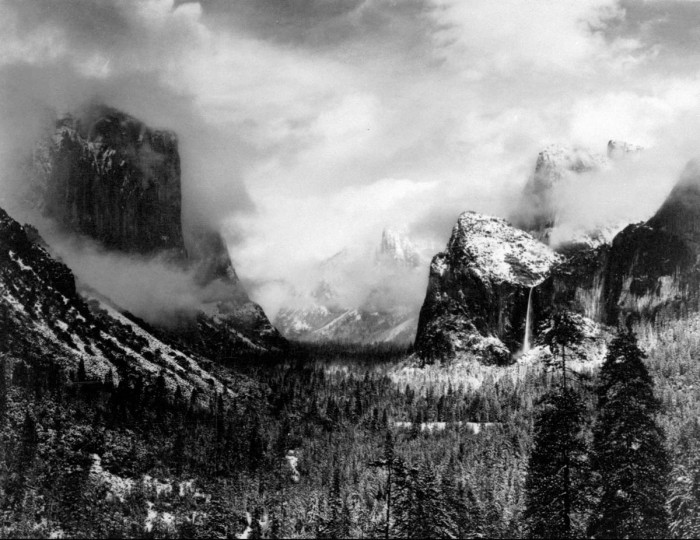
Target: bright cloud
<point>296,118</point>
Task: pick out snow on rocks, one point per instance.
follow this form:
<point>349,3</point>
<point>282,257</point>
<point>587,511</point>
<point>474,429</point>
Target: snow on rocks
<point>478,291</point>
<point>494,249</point>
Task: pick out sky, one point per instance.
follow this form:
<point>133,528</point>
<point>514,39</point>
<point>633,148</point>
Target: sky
<point>308,126</point>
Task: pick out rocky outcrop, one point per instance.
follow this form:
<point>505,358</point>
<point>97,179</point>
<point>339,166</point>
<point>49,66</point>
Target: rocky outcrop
<point>108,176</point>
<point>478,291</point>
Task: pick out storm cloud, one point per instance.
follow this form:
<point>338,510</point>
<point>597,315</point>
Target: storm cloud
<point>306,127</point>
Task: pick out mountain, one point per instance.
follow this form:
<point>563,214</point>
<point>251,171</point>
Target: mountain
<point>479,291</point>
<point>397,248</point>
<point>382,315</point>
<point>47,322</point>
<point>653,267</point>
<point>106,175</point>
<point>538,211</point>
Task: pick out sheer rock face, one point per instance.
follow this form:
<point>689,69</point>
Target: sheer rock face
<point>653,267</point>
<point>108,176</point>
<point>478,291</point>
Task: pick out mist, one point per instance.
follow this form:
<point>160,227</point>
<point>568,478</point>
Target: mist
<point>306,131</point>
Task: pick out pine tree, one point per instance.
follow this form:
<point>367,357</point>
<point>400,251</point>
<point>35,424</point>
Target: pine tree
<point>395,470</point>
<point>561,332</point>
<point>82,374</point>
<point>555,489</point>
<point>338,523</point>
<point>629,455</point>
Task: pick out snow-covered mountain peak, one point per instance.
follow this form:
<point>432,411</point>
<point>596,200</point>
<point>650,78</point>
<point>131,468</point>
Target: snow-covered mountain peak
<point>397,247</point>
<point>493,247</point>
<point>556,160</point>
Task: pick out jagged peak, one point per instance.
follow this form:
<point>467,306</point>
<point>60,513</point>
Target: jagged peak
<point>396,246</point>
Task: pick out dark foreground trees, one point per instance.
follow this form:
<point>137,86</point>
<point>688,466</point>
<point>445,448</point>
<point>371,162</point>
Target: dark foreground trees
<point>629,455</point>
<point>558,469</point>
<point>556,492</point>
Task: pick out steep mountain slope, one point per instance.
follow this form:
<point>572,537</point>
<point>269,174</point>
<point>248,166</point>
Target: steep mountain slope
<point>108,176</point>
<point>44,319</point>
<point>653,267</point>
<point>383,316</point>
<point>479,291</point>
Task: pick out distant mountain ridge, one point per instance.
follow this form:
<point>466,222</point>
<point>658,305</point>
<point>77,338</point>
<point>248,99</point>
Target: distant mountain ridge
<point>380,316</point>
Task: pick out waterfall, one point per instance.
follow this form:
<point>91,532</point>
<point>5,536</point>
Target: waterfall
<point>528,323</point>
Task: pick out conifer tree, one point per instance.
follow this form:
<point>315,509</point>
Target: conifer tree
<point>629,455</point>
<point>560,333</point>
<point>338,523</point>
<point>395,470</point>
<point>556,495</point>
<point>555,489</point>
<point>82,374</point>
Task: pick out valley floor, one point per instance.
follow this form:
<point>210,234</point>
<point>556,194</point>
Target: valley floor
<point>305,459</point>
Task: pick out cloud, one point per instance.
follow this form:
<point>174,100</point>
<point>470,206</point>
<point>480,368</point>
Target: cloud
<point>307,126</point>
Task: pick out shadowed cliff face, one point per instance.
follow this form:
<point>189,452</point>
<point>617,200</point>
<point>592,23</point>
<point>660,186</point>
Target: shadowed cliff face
<point>653,267</point>
<point>108,176</point>
<point>105,175</point>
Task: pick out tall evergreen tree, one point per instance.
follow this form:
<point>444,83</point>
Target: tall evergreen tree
<point>556,494</point>
<point>555,489</point>
<point>629,455</point>
<point>396,470</point>
<point>338,523</point>
<point>561,332</point>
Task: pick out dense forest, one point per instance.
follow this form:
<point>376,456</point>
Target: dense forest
<point>335,445</point>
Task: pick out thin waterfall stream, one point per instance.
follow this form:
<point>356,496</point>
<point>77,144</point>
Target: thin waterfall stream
<point>528,323</point>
